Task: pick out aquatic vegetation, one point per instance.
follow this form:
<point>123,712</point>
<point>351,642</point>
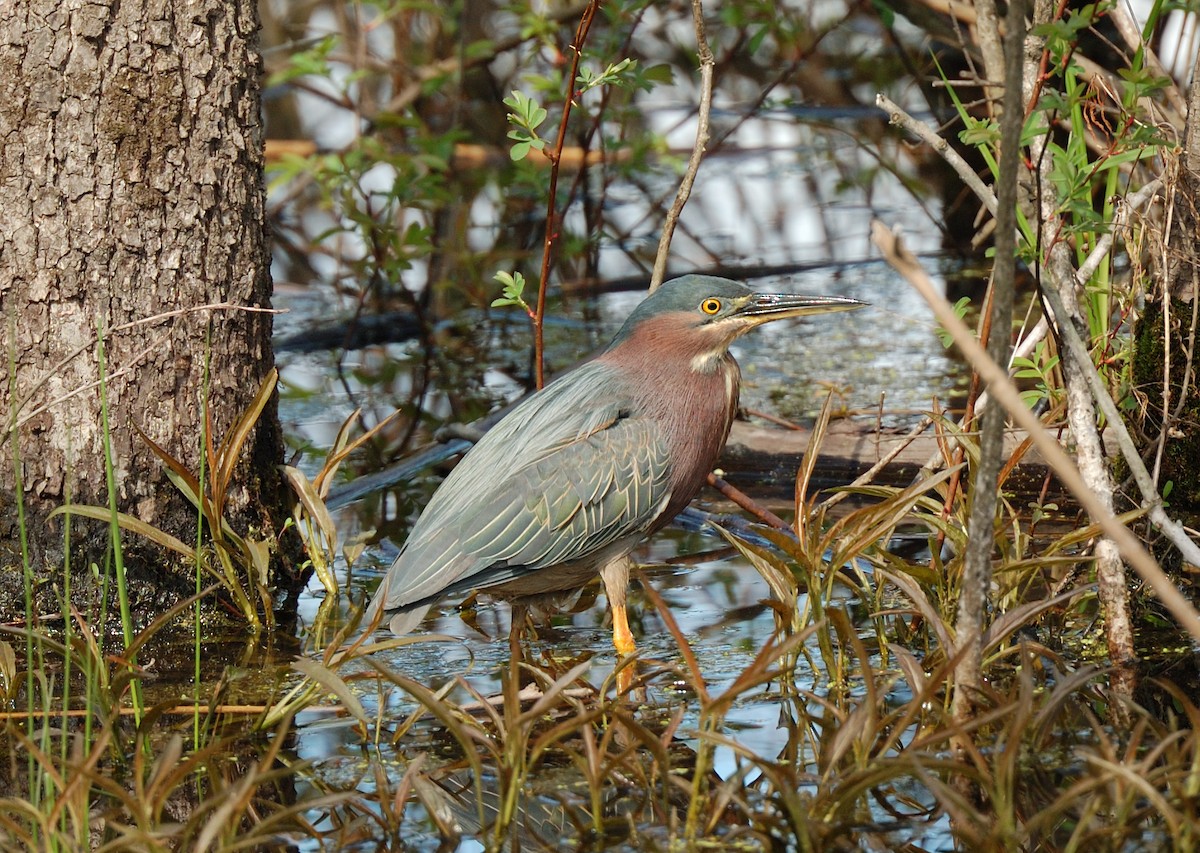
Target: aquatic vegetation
<point>797,695</point>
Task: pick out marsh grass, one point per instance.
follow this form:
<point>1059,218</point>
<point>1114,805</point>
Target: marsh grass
<point>92,762</point>
<point>859,670</point>
<point>867,757</point>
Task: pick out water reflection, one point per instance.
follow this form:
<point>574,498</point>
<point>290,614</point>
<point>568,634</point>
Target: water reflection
<point>699,598</point>
<point>891,352</point>
<point>782,191</point>
<point>770,721</point>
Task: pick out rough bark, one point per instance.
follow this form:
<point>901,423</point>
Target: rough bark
<point>130,186</point>
<point>975,591</point>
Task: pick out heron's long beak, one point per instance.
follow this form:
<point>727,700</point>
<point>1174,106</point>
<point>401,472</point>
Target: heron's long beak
<point>764,307</point>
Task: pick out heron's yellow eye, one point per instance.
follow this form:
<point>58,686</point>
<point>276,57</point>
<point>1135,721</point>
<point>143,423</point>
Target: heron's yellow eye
<point>710,306</point>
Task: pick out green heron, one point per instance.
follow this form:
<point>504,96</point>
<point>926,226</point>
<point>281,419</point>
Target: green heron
<point>573,478</point>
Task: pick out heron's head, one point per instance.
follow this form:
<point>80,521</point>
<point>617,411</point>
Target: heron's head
<point>701,315</point>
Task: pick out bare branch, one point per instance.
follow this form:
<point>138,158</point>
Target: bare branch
<point>689,176</point>
<point>987,31</point>
<point>929,136</point>
<point>1123,20</point>
<point>552,217</point>
<point>975,588</point>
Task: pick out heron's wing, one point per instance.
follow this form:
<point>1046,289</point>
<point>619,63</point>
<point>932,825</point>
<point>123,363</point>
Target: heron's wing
<point>550,484</point>
<point>581,498</point>
<point>585,401</point>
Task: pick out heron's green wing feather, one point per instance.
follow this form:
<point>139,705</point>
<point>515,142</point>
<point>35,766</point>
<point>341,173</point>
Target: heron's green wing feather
<point>568,472</point>
<point>586,495</point>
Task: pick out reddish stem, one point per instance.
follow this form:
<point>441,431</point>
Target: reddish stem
<point>747,503</point>
<point>555,156</point>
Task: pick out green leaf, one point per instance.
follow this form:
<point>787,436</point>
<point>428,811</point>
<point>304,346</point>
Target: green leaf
<point>980,132</point>
<point>318,514</point>
<point>887,15</point>
<point>311,62</point>
<point>613,75</point>
<point>231,448</point>
<point>661,73</point>
<point>513,285</point>
<point>960,311</point>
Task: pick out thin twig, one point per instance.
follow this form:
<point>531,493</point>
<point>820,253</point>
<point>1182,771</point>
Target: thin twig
<point>707,63</point>
<point>930,137</point>
<point>451,65</point>
<point>555,155</point>
<point>988,34</point>
<point>1129,30</point>
<point>774,419</point>
<point>1058,288</point>
<point>1103,247</point>
<point>975,586</point>
<point>1151,500</point>
<point>747,503</point>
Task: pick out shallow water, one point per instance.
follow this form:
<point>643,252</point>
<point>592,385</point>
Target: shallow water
<point>778,203</point>
<point>718,603</point>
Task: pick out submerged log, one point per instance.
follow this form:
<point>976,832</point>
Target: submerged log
<point>764,460</point>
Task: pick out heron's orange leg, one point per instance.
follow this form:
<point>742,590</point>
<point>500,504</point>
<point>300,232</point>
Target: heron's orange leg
<point>622,636</point>
<point>616,580</point>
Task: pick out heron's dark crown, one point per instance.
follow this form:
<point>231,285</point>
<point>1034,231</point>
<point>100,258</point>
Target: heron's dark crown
<point>685,294</point>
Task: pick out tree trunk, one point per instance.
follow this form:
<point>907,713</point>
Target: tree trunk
<point>131,195</point>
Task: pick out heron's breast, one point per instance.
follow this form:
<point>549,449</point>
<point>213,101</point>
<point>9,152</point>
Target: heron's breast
<point>695,419</point>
